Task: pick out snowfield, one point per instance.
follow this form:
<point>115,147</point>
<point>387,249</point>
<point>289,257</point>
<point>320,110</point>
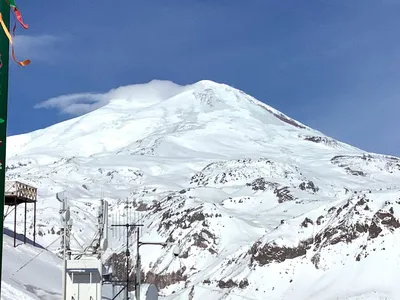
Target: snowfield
<point>261,206</point>
<point>29,272</point>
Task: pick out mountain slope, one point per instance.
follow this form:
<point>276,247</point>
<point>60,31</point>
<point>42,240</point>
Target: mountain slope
<point>29,272</point>
<point>260,205</point>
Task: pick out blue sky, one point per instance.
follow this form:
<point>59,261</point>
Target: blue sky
<point>333,65</point>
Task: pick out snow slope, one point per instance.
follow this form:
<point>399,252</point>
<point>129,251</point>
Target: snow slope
<point>261,206</point>
<point>29,272</point>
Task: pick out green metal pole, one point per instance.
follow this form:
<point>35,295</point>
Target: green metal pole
<point>4,61</point>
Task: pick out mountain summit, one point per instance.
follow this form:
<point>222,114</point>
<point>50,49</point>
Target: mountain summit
<point>261,206</point>
<point>173,113</point>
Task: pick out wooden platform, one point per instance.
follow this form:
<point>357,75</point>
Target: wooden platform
<point>17,192</point>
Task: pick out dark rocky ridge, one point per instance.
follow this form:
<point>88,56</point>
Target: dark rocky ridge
<point>264,254</point>
<point>321,140</point>
<point>345,228</point>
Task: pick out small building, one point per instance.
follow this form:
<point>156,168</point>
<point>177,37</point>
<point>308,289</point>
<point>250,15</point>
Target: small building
<point>17,193</point>
<point>83,279</point>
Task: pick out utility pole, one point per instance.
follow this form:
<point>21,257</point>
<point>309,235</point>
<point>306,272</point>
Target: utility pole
<point>4,62</point>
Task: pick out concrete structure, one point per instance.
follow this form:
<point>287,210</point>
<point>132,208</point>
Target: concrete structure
<point>84,279</point>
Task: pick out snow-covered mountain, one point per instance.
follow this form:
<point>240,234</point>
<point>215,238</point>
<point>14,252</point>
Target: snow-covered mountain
<point>261,206</point>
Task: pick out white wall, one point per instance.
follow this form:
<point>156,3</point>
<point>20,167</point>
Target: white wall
<point>84,285</point>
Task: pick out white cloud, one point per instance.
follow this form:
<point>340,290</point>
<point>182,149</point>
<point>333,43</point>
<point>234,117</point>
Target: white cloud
<point>141,94</point>
<point>75,104</point>
<point>41,47</point>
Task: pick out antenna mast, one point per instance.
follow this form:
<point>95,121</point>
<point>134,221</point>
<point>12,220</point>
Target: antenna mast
<point>65,240</point>
<point>129,226</point>
<point>127,280</point>
<point>91,266</point>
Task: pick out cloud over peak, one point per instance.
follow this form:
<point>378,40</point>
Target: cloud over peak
<point>81,103</point>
